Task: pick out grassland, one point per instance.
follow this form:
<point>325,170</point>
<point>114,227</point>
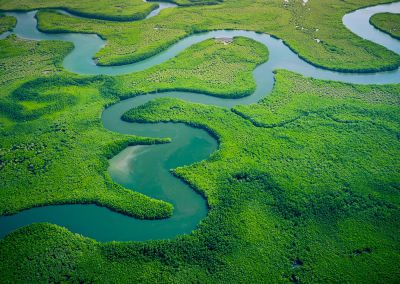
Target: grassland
<point>6,23</point>
<point>120,10</point>
<point>314,31</point>
<point>388,23</point>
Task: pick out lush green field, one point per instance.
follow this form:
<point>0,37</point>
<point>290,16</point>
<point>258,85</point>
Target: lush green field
<point>388,23</point>
<point>121,10</point>
<point>6,23</point>
<point>300,26</point>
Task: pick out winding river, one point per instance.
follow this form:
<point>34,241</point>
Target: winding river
<point>146,168</point>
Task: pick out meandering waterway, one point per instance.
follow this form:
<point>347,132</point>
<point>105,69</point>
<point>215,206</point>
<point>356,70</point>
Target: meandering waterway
<point>146,168</point>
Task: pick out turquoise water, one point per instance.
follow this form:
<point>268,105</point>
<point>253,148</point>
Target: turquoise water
<point>146,168</point>
<point>161,6</point>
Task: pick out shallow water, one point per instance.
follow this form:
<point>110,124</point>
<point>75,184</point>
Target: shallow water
<point>146,168</point>
<point>161,6</point>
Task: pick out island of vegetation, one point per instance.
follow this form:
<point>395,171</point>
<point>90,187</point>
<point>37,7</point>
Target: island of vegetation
<point>6,23</point>
<point>388,23</point>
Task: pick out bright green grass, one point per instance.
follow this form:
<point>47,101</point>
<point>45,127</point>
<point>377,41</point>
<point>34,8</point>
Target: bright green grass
<point>388,23</point>
<point>299,26</point>
<point>121,10</point>
<point>6,23</point>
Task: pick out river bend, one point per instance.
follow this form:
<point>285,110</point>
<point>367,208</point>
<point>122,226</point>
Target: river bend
<point>131,167</point>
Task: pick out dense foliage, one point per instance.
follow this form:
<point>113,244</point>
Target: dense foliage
<point>211,66</point>
<point>314,199</point>
<point>298,98</point>
<point>36,153</point>
<point>304,186</point>
<point>388,23</point>
<point>315,31</point>
<point>195,2</point>
<point>110,10</point>
<point>38,113</point>
<point>326,162</point>
<point>6,23</point>
<point>121,10</point>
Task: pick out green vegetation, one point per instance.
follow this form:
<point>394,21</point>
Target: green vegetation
<point>388,23</point>
<point>110,10</point>
<point>315,199</point>
<point>304,186</point>
<point>121,10</point>
<point>6,23</point>
<point>54,156</point>
<point>210,66</point>
<point>332,173</point>
<point>49,123</point>
<point>194,2</point>
<point>315,31</point>
<point>48,127</point>
<point>300,98</point>
<point>43,59</point>
<point>310,199</point>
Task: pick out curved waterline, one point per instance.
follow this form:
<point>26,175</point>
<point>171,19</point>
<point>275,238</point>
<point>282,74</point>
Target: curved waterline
<point>358,23</point>
<point>155,12</point>
<point>161,6</point>
<point>105,225</point>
